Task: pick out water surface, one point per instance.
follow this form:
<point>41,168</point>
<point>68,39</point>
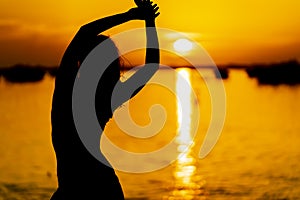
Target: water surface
<point>256,157</point>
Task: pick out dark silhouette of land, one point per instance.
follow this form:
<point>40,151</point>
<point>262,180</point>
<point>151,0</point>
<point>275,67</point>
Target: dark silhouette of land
<point>21,73</point>
<point>285,72</point>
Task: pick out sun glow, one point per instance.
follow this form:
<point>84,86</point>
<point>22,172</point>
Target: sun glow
<point>183,45</point>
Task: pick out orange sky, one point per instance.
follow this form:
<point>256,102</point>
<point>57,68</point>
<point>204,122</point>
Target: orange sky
<point>37,32</point>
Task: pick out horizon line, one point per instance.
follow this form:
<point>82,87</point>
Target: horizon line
<point>228,65</point>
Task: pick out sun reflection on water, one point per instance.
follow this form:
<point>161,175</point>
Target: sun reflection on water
<point>188,184</point>
<point>184,107</point>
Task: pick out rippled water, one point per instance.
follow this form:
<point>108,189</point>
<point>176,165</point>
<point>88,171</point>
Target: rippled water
<point>256,157</point>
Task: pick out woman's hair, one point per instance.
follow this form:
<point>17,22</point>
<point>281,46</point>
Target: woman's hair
<point>107,81</point>
<point>88,45</point>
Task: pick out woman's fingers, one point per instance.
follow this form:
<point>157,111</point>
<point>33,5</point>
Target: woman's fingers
<point>148,8</point>
<point>155,12</point>
<point>155,5</point>
<point>156,15</point>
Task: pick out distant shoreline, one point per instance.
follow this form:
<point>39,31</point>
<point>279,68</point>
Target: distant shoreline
<point>286,72</point>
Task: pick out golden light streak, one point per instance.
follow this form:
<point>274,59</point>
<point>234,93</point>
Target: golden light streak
<point>184,107</point>
<point>187,183</point>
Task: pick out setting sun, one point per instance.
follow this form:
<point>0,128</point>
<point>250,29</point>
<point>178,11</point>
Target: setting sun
<point>183,45</point>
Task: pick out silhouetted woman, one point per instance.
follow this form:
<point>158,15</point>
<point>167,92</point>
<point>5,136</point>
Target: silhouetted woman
<point>80,175</point>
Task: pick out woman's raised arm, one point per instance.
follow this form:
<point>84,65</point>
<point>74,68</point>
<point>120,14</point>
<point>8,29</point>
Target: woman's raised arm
<point>91,30</point>
<point>84,41</point>
<point>126,90</point>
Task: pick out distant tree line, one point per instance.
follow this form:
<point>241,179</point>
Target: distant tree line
<point>287,72</point>
<point>276,73</point>
<point>21,73</point>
